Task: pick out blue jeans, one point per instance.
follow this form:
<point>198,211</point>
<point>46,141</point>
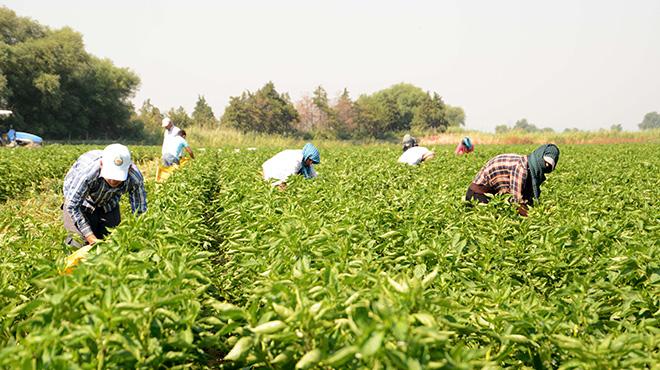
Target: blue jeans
<point>169,159</point>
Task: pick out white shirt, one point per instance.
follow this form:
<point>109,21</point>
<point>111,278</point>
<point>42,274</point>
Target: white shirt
<point>284,164</point>
<point>174,146</point>
<point>172,132</point>
<point>414,155</point>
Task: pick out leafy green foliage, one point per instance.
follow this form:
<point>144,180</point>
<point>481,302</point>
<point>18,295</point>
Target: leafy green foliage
<point>651,121</point>
<point>24,170</point>
<point>203,114</point>
<point>58,90</point>
<point>376,265</point>
<point>264,111</point>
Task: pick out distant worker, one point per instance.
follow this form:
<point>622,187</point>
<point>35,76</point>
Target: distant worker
<point>518,175</point>
<point>465,146</point>
<point>92,189</point>
<point>291,162</point>
<point>11,135</point>
<point>170,132</point>
<point>414,154</point>
<point>173,149</point>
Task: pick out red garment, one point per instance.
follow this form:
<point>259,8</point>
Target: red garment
<point>462,149</point>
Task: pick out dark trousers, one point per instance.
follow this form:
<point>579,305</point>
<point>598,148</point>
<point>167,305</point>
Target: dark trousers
<point>99,220</point>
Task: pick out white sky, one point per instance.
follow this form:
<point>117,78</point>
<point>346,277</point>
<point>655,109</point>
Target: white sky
<point>585,64</point>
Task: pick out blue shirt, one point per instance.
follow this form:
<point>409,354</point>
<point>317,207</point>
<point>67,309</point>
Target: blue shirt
<point>84,188</point>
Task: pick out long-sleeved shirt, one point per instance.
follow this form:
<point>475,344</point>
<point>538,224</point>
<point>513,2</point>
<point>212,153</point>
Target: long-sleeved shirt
<point>84,188</point>
<point>414,155</point>
<point>506,174</point>
<point>461,148</point>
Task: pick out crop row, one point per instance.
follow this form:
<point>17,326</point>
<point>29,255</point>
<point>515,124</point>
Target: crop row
<point>381,265</point>
<point>24,169</point>
<point>372,264</point>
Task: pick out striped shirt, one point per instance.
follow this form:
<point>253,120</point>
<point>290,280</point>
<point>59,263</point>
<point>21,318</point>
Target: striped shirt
<point>505,174</point>
<point>84,188</point>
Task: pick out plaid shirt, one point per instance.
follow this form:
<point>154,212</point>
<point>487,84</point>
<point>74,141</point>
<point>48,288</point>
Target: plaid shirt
<point>84,188</point>
<point>506,174</point>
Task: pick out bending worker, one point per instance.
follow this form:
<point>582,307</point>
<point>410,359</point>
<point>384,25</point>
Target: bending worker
<point>291,162</point>
<point>414,154</point>
<point>92,189</point>
<point>465,146</point>
<point>173,149</point>
<point>518,175</point>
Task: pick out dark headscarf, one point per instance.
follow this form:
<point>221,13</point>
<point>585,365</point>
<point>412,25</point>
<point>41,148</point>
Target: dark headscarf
<point>408,142</point>
<point>536,167</point>
<point>309,152</point>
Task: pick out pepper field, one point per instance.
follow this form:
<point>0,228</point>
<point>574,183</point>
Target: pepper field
<point>374,264</point>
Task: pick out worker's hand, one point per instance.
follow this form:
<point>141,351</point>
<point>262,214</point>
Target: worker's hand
<point>282,186</point>
<point>91,239</point>
<point>522,210</point>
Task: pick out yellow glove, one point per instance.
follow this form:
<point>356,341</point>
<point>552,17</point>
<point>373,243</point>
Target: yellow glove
<point>75,258</point>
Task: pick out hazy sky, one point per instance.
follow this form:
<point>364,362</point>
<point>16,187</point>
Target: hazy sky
<point>585,64</point>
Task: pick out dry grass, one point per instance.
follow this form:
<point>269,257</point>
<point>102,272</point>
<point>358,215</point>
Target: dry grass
<point>586,137</point>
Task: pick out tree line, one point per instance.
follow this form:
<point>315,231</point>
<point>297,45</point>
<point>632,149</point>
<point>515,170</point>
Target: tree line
<point>60,91</point>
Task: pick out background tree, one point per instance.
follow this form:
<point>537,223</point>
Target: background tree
<point>651,121</point>
<point>58,90</point>
<point>455,116</point>
<point>616,128</point>
<point>180,117</point>
<point>502,129</point>
<point>523,125</point>
<point>203,115</point>
<point>430,114</point>
<point>345,116</point>
<point>264,111</point>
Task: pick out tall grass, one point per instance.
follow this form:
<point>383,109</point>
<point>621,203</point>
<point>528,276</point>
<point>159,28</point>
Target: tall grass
<point>223,137</point>
<point>454,135</point>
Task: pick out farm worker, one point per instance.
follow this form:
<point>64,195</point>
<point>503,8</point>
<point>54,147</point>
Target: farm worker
<point>291,162</point>
<point>11,134</point>
<point>518,175</point>
<point>414,154</point>
<point>92,189</point>
<point>174,147</point>
<point>465,146</point>
<point>170,132</point>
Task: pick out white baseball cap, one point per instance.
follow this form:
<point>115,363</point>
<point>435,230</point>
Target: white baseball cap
<point>116,161</point>
<point>166,122</point>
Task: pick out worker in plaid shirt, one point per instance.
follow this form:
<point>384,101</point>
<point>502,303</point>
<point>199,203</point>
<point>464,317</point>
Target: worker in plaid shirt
<point>92,189</point>
<point>518,175</point>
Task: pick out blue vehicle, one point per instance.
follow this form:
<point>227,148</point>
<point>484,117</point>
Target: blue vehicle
<point>13,137</point>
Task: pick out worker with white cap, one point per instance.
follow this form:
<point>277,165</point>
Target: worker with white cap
<point>171,132</point>
<point>92,189</point>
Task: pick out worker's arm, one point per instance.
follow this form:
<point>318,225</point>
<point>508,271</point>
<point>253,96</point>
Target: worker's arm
<point>138,195</point>
<point>190,152</point>
<point>518,177</point>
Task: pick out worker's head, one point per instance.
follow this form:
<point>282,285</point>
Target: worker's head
<point>467,142</point>
<point>115,163</point>
<point>311,155</point>
<point>166,123</point>
<point>182,133</point>
<point>550,157</point>
<point>408,142</point>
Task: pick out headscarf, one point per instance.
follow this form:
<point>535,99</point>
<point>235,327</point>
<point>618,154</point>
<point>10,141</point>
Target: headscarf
<point>467,142</point>
<point>536,168</point>
<point>408,142</point>
<point>309,151</point>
